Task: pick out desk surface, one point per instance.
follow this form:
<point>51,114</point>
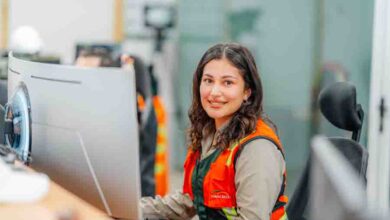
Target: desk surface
<point>58,202</point>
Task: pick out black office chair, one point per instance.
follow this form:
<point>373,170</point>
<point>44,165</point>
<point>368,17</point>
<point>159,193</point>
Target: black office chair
<point>147,128</point>
<point>338,104</point>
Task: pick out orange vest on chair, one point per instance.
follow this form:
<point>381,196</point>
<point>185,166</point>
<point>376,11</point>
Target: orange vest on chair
<point>161,168</point>
<point>219,189</point>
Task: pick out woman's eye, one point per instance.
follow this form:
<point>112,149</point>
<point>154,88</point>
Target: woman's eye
<point>207,81</point>
<point>228,83</point>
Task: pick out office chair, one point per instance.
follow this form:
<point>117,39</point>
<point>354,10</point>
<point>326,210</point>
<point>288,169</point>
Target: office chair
<point>338,104</point>
<point>147,127</point>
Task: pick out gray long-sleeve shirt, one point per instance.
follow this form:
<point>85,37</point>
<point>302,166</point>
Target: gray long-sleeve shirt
<point>258,179</point>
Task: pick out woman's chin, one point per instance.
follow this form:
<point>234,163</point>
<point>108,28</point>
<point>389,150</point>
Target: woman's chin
<point>219,117</point>
<point>215,115</point>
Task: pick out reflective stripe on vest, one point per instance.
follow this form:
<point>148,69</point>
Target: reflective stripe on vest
<point>219,191</point>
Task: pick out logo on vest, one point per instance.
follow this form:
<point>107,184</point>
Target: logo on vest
<point>218,194</point>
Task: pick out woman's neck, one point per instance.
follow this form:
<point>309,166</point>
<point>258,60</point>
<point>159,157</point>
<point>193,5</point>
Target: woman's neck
<point>221,123</point>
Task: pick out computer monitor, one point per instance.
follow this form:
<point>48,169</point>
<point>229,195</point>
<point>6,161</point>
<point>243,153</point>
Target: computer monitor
<point>336,191</point>
<point>84,131</point>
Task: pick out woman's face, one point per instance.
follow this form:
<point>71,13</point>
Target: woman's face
<point>222,90</point>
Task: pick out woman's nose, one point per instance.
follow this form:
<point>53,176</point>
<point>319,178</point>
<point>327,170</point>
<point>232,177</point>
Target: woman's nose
<point>215,90</point>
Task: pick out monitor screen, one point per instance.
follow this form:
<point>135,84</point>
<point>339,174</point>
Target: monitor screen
<point>84,131</point>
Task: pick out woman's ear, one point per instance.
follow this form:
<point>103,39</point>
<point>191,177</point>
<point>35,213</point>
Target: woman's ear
<point>247,94</point>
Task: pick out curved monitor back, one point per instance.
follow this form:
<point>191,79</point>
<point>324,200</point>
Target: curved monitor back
<point>84,131</point>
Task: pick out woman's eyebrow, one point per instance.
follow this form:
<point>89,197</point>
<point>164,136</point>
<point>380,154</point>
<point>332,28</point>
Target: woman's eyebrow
<point>229,76</point>
<point>223,77</point>
<point>207,75</point>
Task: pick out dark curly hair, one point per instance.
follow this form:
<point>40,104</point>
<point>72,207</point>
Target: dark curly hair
<point>245,118</point>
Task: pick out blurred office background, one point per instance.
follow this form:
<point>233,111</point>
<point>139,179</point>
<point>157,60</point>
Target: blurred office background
<point>300,47</point>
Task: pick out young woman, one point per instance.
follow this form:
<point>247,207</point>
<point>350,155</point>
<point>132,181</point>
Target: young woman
<point>235,167</point>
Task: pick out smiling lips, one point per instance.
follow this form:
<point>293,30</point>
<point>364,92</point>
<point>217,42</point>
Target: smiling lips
<point>216,104</point>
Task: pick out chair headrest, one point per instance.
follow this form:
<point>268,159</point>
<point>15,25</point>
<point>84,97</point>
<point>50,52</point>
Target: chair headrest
<point>338,104</point>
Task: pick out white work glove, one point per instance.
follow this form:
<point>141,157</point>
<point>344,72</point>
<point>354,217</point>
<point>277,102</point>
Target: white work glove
<point>175,206</point>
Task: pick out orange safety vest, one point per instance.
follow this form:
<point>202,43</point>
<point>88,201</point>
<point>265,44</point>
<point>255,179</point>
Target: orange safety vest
<point>161,163</point>
<point>219,190</point>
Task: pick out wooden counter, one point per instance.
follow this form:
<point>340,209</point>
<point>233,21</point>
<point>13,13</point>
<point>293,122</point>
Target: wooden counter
<point>58,202</point>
